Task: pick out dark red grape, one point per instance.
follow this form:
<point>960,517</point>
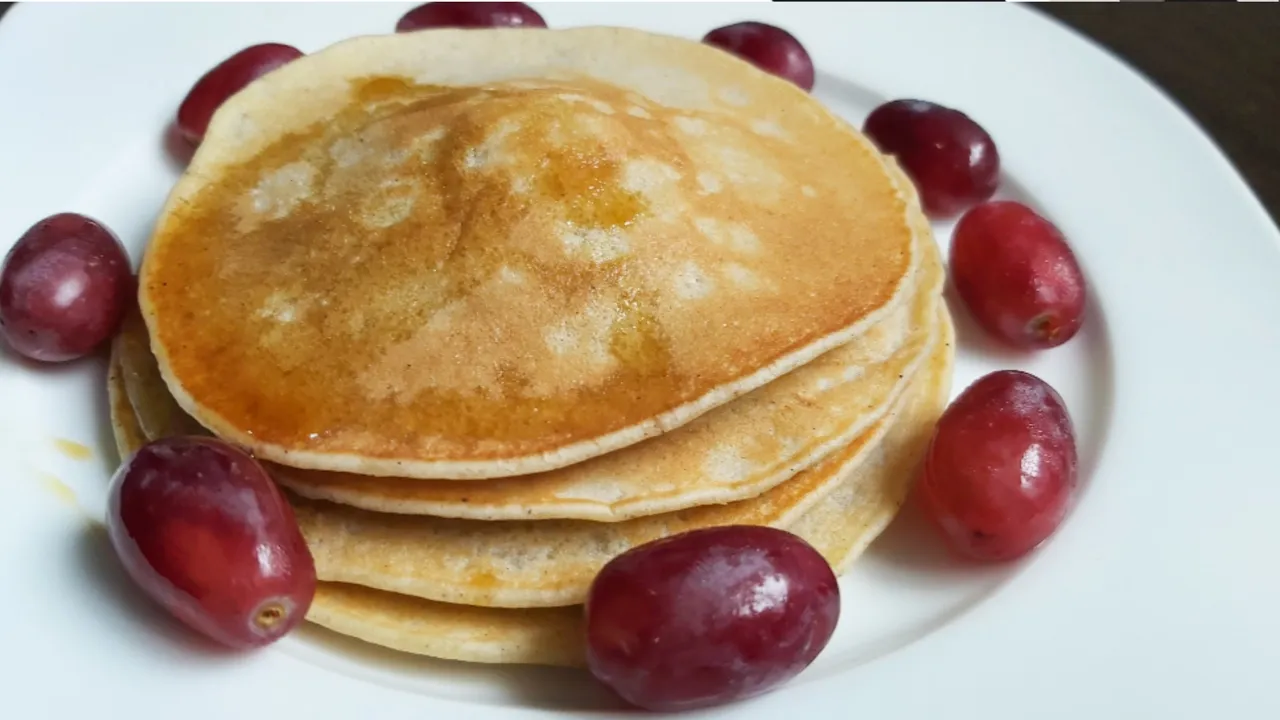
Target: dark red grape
<point>953,161</point>
<point>1017,275</point>
<point>709,616</point>
<point>769,48</point>
<point>1001,469</point>
<point>207,534</point>
<point>64,288</point>
<point>227,79</point>
<point>470,15</point>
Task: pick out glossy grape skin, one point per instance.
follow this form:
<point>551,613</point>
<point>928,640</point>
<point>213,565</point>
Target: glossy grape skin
<point>64,288</point>
<point>709,616</point>
<point>470,15</point>
<point>769,48</point>
<point>951,158</point>
<point>226,79</point>
<point>1017,275</point>
<point>1000,472</point>
<point>204,531</point>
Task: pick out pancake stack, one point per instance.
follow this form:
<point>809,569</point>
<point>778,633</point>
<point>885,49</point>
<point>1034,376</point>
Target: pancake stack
<point>495,306</point>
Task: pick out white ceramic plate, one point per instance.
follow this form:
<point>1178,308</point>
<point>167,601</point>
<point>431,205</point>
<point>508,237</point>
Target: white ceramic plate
<point>1158,598</point>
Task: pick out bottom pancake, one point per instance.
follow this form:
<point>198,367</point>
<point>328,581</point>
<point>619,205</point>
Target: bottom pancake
<point>841,526</point>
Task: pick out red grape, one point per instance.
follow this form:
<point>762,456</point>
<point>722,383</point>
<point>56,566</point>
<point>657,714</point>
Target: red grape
<point>64,288</point>
<point>207,534</point>
<point>1001,469</point>
<point>952,160</point>
<point>769,48</point>
<point>709,616</point>
<point>470,15</point>
<point>227,79</point>
<point>1017,275</point>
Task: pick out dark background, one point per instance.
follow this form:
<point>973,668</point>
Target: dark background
<point>1221,61</point>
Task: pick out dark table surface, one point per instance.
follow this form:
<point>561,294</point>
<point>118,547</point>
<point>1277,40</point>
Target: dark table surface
<point>1221,61</point>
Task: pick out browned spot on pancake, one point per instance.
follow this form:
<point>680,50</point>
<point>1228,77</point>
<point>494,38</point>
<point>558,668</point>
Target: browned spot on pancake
<point>588,184</point>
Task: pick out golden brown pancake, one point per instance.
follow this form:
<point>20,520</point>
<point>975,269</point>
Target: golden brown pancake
<point>840,527</point>
<point>733,452</point>
<point>547,562</point>
<point>468,254</point>
<point>541,563</point>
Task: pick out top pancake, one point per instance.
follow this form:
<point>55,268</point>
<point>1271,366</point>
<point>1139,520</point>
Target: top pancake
<point>465,254</point>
